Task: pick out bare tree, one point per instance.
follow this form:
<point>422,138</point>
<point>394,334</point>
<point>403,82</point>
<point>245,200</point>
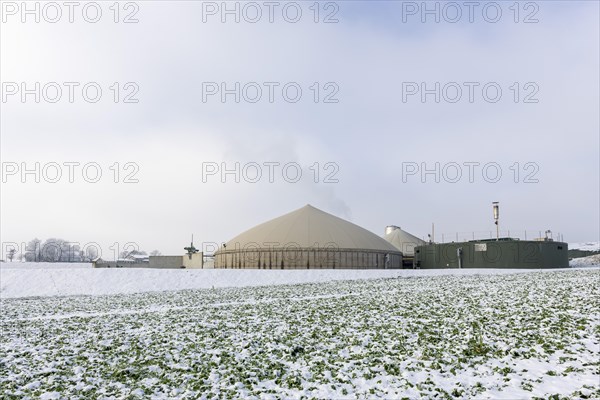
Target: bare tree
<point>33,250</point>
<point>90,254</point>
<point>155,253</point>
<point>11,254</point>
<point>55,250</point>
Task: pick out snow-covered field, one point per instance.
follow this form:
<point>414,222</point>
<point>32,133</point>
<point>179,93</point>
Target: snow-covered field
<point>66,279</point>
<point>583,262</point>
<point>526,335</point>
<point>589,261</point>
<point>586,246</point>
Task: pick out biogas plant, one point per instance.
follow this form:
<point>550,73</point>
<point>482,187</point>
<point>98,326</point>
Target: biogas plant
<point>309,238</point>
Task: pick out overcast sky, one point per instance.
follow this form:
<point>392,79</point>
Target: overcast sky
<point>361,117</point>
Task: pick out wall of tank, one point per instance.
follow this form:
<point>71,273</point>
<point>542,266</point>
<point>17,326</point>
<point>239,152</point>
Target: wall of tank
<point>307,259</point>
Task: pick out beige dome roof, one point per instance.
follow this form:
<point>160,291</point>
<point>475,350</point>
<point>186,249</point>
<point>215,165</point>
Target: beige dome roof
<point>402,240</point>
<point>310,227</point>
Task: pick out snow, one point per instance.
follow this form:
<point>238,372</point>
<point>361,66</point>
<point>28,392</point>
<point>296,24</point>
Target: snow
<point>66,279</point>
<point>450,334</point>
<point>43,265</point>
<point>582,262</point>
<point>589,261</point>
<point>586,246</point>
<point>50,396</point>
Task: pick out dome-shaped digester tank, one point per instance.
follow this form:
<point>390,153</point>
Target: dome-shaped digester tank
<point>307,238</point>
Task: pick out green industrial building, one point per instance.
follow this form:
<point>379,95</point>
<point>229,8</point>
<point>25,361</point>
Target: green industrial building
<point>493,253</point>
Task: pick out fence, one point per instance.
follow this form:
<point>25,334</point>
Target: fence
<point>521,234</point>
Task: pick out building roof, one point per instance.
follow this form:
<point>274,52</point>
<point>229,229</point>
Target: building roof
<point>309,227</point>
<point>402,240</point>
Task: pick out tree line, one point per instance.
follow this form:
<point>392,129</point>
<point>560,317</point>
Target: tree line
<point>61,250</point>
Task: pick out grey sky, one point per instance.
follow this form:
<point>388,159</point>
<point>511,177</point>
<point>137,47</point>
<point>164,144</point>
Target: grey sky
<point>369,133</point>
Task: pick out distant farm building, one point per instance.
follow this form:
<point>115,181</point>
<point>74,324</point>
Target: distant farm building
<point>165,262</point>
